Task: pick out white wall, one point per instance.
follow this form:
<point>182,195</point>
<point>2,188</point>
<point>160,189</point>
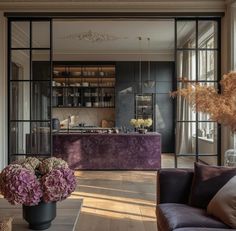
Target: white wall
<point>3,93</point>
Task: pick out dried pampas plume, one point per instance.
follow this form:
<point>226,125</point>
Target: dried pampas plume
<point>221,107</point>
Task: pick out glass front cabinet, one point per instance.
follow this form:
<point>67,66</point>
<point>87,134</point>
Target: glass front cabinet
<point>144,108</point>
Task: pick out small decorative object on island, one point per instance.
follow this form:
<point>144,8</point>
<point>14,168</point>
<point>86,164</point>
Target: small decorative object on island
<point>141,124</point>
<point>37,185</point>
<point>220,106</point>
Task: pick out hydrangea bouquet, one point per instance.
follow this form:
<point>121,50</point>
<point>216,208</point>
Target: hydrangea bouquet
<point>32,180</point>
<point>141,123</point>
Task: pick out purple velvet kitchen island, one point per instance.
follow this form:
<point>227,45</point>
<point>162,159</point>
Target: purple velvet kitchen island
<point>109,151</point>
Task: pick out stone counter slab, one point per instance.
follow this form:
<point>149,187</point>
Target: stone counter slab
<point>109,151</point>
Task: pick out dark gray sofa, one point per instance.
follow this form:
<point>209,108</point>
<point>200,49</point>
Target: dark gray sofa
<point>173,211</point>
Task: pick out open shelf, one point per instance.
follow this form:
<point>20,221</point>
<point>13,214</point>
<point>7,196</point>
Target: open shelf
<point>83,86</point>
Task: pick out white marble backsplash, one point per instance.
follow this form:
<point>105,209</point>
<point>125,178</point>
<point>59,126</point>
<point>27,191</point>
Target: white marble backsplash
<point>89,116</point>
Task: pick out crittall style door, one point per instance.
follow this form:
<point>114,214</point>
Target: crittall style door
<point>29,87</point>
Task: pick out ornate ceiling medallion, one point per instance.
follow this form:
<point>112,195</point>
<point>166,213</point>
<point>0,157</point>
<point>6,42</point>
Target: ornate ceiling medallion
<point>93,36</point>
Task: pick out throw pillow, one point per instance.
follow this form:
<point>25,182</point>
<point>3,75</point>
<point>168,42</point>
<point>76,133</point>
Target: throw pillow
<point>223,204</point>
<point>207,181</point>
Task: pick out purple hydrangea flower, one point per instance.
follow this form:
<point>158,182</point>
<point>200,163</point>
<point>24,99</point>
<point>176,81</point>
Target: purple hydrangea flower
<point>24,183</point>
<point>58,184</point>
<point>20,185</point>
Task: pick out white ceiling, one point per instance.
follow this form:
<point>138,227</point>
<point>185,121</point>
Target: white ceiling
<point>124,37</point>
<point>105,40</point>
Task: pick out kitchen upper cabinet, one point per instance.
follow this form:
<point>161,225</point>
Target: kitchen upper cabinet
<point>125,72</point>
<point>164,71</point>
<point>164,122</point>
<point>126,87</point>
<point>124,110</point>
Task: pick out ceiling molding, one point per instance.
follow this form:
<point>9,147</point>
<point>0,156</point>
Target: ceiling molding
<point>92,36</point>
<point>116,6</point>
<point>138,54</point>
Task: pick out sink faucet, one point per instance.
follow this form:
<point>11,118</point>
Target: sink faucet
<point>68,122</point>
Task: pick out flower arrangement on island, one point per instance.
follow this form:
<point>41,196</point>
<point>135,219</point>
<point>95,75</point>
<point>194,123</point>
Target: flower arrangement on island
<point>31,181</point>
<point>221,106</point>
<point>141,123</point>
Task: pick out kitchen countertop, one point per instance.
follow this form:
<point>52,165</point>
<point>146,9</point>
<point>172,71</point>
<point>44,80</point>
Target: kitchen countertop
<point>113,134</point>
<point>96,151</point>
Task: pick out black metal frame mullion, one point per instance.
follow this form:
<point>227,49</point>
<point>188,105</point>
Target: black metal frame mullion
<point>8,90</point>
<point>219,162</point>
<point>30,99</point>
<point>175,100</point>
<point>51,72</point>
<point>197,73</point>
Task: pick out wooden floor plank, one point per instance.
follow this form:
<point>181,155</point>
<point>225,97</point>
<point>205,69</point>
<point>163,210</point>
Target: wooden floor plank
<point>120,200</point>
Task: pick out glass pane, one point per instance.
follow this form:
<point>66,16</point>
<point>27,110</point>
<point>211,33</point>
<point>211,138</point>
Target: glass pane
<point>207,61</point>
<point>40,138</point>
<point>207,138</point>
<point>144,106</point>
<point>185,111</point>
<point>20,100</point>
<point>186,34</point>
<point>17,158</point>
<point>20,65</point>
<point>40,100</point>
<point>41,34</point>
<point>186,161</point>
<point>59,96</point>
<point>211,160</point>
<point>204,116</point>
<point>186,65</point>
<point>41,65</point>
<point>207,34</point>
<point>19,137</point>
<point>20,34</point>
<point>186,138</point>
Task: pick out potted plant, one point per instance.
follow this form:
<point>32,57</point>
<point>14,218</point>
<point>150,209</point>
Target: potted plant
<point>37,185</point>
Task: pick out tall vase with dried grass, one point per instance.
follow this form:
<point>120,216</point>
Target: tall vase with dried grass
<point>220,106</point>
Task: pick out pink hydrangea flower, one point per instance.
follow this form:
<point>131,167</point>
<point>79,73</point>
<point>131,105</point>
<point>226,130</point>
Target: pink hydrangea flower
<point>20,186</point>
<point>58,184</point>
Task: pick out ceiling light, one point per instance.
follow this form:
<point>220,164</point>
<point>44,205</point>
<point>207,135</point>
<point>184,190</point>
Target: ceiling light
<point>149,83</point>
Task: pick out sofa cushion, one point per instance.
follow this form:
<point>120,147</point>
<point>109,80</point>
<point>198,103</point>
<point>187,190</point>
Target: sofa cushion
<point>174,185</point>
<point>223,204</point>
<point>207,181</point>
<point>200,229</point>
<point>171,216</point>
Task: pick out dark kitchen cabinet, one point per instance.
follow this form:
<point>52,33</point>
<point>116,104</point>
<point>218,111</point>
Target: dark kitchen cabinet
<point>129,83</point>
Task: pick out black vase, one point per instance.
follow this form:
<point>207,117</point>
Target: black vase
<point>40,216</point>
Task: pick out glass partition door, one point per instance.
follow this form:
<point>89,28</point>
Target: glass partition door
<point>197,61</point>
<point>29,88</point>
